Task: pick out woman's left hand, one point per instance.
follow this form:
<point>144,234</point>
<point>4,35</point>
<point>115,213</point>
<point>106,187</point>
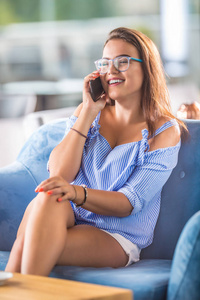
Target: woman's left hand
<point>57,186</point>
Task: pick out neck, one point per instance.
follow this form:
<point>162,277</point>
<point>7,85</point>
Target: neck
<point>128,112</point>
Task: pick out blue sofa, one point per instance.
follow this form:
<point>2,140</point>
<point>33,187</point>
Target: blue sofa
<point>169,268</point>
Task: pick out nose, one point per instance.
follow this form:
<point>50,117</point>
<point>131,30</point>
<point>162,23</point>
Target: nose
<point>111,68</point>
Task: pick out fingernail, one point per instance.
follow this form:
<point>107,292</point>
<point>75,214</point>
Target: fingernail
<point>36,190</point>
<point>50,192</point>
<point>59,199</point>
<point>40,190</point>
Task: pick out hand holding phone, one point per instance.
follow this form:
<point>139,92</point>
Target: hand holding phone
<point>96,89</point>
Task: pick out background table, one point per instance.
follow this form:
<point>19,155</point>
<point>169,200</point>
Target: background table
<point>69,89</point>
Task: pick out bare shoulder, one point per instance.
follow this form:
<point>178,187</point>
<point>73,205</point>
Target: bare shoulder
<point>167,138</point>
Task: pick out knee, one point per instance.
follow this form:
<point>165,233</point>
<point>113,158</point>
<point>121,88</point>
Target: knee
<point>45,202</point>
<point>43,199</point>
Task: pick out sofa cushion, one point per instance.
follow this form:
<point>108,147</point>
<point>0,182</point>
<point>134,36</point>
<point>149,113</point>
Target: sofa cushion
<point>17,187</point>
<point>148,279</point>
<point>185,280</point>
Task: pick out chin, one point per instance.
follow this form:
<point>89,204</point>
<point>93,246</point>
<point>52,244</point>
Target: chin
<point>115,96</point>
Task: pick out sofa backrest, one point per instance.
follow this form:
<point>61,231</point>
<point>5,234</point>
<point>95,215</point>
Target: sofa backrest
<point>180,197</point>
<point>35,153</point>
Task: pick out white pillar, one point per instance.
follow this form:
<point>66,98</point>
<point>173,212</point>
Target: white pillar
<point>174,36</point>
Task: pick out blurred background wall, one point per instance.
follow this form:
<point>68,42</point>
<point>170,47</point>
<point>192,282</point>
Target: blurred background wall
<point>47,47</point>
<point>50,40</point>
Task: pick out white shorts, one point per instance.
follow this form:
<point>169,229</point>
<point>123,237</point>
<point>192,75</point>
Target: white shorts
<point>130,249</point>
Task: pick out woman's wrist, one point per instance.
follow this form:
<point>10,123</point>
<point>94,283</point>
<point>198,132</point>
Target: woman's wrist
<point>80,195</point>
<point>89,114</point>
<point>84,122</point>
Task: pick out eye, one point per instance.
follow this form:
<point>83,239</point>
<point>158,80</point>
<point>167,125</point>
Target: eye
<point>104,63</point>
<point>122,61</point>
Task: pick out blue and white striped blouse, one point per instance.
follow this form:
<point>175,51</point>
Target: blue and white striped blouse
<point>130,169</point>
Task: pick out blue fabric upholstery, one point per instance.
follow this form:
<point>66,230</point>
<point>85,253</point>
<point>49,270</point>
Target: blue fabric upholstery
<point>180,200</point>
<point>35,153</point>
<point>4,255</point>
<point>185,274</point>
<point>180,197</point>
<point>16,191</point>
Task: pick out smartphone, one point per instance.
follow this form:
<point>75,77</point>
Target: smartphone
<point>96,89</point>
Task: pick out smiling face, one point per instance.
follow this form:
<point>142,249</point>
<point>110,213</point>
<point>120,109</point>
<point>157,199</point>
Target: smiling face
<point>122,85</point>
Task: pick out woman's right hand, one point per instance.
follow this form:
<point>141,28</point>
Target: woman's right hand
<point>88,103</point>
<point>57,186</point>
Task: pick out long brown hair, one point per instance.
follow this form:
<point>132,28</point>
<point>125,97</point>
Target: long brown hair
<point>155,100</point>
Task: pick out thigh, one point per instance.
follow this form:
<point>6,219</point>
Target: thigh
<point>88,246</point>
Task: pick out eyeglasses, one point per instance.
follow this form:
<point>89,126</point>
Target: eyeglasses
<point>121,63</point>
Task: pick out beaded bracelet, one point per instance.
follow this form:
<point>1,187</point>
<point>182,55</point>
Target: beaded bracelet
<point>79,132</point>
<point>85,197</point>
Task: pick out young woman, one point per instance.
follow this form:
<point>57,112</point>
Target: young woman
<point>100,205</point>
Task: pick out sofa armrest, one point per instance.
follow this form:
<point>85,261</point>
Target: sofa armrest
<point>17,187</point>
<point>184,281</point>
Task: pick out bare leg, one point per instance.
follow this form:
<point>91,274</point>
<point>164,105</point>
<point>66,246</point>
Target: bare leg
<point>38,220</point>
<point>14,262</point>
<point>51,238</point>
<point>45,235</point>
<point>88,246</point>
